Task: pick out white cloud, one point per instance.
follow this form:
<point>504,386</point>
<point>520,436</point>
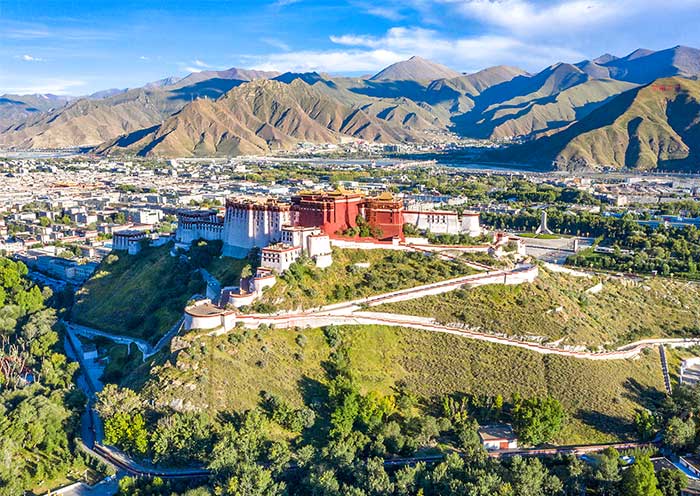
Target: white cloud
<point>390,13</point>
<point>542,18</point>
<point>54,86</point>
<point>276,43</point>
<point>324,61</point>
<point>284,3</point>
<point>466,53</point>
<point>31,58</point>
<point>143,57</point>
<point>200,63</point>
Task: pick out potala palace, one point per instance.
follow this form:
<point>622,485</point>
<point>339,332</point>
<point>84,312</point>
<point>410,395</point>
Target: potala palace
<point>308,224</point>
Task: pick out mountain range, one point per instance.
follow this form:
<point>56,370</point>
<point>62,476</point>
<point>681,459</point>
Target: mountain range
<point>638,111</point>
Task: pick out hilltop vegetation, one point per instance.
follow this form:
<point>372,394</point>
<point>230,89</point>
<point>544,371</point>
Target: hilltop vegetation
<point>355,274</point>
<point>137,295</point>
<point>350,397</point>
<point>560,307</point>
<point>215,374</point>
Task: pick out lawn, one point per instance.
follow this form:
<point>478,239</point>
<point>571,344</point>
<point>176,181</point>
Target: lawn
<point>560,307</point>
<point>227,270</point>
<point>226,373</point>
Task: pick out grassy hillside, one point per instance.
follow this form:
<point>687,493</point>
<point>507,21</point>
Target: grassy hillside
<point>558,306</point>
<point>137,295</point>
<point>229,372</point>
<point>306,286</point>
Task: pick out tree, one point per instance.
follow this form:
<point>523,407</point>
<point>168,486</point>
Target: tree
<point>679,433</point>
<point>128,432</point>
<point>537,420</point>
<point>38,332</point>
<point>246,271</point>
<point>113,399</point>
<point>324,483</point>
<point>607,471</point>
<point>250,479</point>
<point>182,438</point>
<point>647,424</point>
<point>469,441</point>
<point>530,478</point>
<point>640,479</point>
<point>575,470</point>
<point>671,481</point>
<point>375,479</point>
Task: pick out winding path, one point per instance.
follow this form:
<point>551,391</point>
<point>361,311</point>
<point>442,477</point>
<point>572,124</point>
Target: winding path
<point>355,312</point>
<point>146,349</point>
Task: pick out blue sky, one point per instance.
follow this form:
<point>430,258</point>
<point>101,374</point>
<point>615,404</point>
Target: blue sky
<point>81,46</point>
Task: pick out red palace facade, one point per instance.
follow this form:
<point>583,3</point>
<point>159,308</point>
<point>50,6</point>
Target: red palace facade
<point>337,211</point>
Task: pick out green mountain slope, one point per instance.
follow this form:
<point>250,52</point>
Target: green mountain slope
<point>600,398</point>
<point>656,126</point>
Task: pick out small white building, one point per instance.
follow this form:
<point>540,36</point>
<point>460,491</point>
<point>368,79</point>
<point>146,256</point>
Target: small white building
<point>90,352</point>
<point>279,257</point>
<point>318,247</point>
<point>690,371</point>
<point>128,240</point>
<point>498,437</point>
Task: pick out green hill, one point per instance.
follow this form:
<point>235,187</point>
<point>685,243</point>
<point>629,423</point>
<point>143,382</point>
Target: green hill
<point>559,307</point>
<point>137,295</point>
<point>229,373</point>
<point>356,274</point>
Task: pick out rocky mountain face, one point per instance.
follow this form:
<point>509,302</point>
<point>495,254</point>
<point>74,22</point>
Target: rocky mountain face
<point>91,121</point>
<point>241,111</point>
<point>268,115</point>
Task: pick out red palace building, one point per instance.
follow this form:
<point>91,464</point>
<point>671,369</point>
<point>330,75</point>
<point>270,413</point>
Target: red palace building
<point>337,211</point>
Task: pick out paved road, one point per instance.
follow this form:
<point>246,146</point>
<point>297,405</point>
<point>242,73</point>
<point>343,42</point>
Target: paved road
<point>146,349</point>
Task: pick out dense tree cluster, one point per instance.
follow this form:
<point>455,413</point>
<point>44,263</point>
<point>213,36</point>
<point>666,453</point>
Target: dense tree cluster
<point>663,249</point>
<point>39,406</point>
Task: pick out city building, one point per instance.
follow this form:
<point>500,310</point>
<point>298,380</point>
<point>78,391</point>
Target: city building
<point>198,224</point>
<point>279,256</point>
<point>333,212</point>
<point>248,224</point>
<point>256,223</point>
<point>444,221</point>
<point>128,240</point>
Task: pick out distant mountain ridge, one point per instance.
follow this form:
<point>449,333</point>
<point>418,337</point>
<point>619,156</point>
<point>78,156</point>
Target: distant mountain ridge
<point>102,117</point>
<point>246,111</point>
<point>415,69</point>
<point>653,126</point>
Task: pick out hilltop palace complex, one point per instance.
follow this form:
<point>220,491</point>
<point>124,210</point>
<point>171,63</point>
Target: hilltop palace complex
<point>306,225</point>
<point>284,231</point>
